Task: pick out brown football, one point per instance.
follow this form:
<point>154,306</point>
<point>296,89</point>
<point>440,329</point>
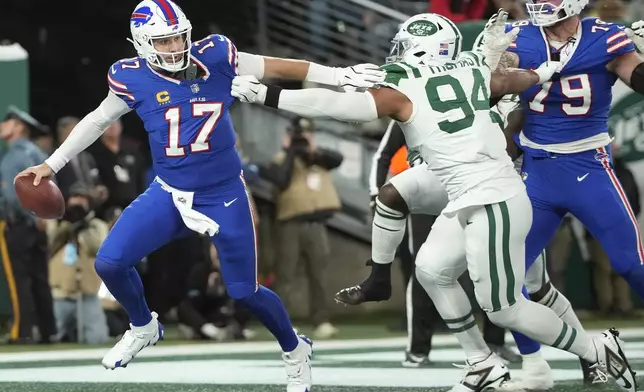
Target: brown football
<point>44,201</point>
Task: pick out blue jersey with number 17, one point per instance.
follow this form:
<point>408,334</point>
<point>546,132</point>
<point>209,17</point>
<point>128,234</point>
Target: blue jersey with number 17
<point>574,105</point>
<point>191,134</point>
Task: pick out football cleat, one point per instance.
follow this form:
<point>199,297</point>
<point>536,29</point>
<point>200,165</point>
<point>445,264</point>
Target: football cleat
<point>612,361</point>
<point>298,366</point>
<point>487,375</point>
<point>133,341</point>
<point>415,361</point>
<point>536,375</point>
<point>505,353</point>
<point>377,287</point>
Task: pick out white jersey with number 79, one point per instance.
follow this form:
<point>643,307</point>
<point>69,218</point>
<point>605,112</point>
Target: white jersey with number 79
<point>453,130</point>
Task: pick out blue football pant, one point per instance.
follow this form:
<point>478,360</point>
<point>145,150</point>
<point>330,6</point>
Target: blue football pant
<point>152,220</point>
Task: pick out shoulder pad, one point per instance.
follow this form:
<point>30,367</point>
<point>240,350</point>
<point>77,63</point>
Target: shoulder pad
<point>122,76</point>
<point>394,72</point>
<point>217,51</point>
<point>611,36</point>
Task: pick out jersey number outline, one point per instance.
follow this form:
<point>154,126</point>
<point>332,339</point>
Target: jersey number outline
<point>172,115</point>
<point>460,100</point>
<point>584,92</point>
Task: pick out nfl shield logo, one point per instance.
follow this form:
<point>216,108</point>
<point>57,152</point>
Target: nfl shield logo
<point>194,88</point>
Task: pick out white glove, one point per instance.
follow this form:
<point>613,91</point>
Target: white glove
<point>495,39</point>
<point>636,33</point>
<point>213,332</point>
<point>361,76</point>
<point>248,89</point>
<point>546,70</point>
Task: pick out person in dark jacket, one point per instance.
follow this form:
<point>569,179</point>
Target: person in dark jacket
<point>306,198</point>
<point>207,311</point>
<point>25,234</point>
<point>612,291</point>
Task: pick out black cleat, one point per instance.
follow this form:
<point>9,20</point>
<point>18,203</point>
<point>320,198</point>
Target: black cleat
<point>377,287</point>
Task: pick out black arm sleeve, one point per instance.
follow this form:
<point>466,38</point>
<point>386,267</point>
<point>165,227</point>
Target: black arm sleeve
<point>327,159</point>
<point>392,141</point>
<point>280,174</point>
<point>637,78</point>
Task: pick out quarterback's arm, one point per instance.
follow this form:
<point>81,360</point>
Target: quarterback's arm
<point>88,130</point>
<point>629,67</point>
<point>264,67</point>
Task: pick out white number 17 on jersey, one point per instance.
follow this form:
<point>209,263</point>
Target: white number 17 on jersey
<point>213,110</point>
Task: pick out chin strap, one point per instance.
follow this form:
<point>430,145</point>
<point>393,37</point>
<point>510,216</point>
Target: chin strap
<point>637,78</point>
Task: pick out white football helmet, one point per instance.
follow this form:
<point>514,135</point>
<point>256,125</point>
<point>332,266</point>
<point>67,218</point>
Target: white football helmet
<point>548,12</point>
<point>156,20</point>
<point>478,43</point>
<point>426,38</point>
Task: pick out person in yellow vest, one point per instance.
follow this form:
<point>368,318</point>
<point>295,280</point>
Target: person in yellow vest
<point>306,198</point>
<point>74,242</point>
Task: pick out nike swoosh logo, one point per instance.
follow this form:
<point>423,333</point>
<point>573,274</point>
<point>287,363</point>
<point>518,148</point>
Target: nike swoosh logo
<point>580,179</point>
<point>226,204</point>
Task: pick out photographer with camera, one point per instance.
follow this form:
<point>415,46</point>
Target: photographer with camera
<point>74,242</point>
<point>306,198</point>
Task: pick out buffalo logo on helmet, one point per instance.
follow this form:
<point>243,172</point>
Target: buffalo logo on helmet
<point>141,16</point>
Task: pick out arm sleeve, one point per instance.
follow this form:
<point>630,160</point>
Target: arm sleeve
<point>316,103</point>
<point>392,141</point>
<point>88,130</point>
<point>251,64</point>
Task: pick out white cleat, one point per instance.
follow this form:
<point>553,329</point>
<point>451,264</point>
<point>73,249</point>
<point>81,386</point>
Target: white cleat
<point>134,340</point>
<point>298,366</point>
<point>612,361</point>
<point>536,375</point>
<point>490,374</point>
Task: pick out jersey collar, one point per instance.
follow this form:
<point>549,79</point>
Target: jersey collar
<point>178,81</point>
<point>568,50</point>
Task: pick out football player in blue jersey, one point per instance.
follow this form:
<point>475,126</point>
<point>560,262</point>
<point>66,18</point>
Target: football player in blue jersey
<point>181,91</point>
<point>564,136</point>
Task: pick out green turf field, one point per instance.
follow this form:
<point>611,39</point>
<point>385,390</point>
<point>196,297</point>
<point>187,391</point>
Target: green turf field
<point>355,365</point>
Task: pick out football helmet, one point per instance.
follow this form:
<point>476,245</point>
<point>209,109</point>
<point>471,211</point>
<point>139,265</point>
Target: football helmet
<point>155,20</point>
<point>426,38</point>
<point>547,13</point>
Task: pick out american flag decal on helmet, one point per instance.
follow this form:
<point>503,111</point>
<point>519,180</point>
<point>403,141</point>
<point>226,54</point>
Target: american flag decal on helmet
<point>443,49</point>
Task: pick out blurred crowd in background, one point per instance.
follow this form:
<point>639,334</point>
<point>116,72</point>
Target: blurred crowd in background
<point>60,297</point>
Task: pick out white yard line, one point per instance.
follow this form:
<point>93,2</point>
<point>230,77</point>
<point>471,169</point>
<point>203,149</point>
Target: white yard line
<point>246,347</point>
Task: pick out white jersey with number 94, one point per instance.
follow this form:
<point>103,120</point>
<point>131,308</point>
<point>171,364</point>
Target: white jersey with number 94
<point>453,130</point>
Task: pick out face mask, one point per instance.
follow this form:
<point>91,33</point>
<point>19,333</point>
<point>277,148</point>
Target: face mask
<point>75,213</point>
